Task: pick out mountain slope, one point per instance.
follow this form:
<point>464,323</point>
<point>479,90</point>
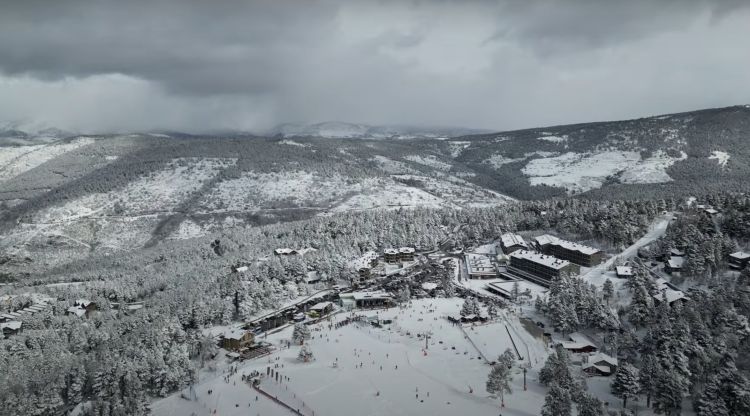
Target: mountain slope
<point>110,193</point>
<point>655,156</point>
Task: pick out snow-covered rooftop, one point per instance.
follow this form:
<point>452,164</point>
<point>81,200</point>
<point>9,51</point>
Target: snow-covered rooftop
<point>406,250</point>
<point>234,333</point>
<point>624,271</point>
<point>83,302</point>
<point>740,255</point>
<point>429,286</point>
<point>511,239</point>
<point>675,262</point>
<point>77,311</point>
<point>320,306</point>
<point>390,251</point>
<point>478,264</point>
<point>600,356</point>
<point>370,295</point>
<point>551,239</point>
<point>242,269</point>
<point>13,325</point>
<point>549,261</point>
<point>671,295</point>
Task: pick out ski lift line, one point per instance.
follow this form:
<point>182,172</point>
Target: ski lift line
<point>520,357</point>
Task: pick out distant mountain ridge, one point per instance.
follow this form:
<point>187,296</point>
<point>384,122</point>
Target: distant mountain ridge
<point>343,130</point>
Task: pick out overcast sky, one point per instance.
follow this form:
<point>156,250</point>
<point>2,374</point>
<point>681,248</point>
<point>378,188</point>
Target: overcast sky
<point>115,65</point>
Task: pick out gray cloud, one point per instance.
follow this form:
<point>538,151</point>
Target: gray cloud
<point>197,65</point>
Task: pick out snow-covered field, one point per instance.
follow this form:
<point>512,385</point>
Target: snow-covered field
<point>389,195</point>
<point>583,172</point>
<point>496,161</point>
<point>158,192</point>
<point>430,161</point>
<point>17,160</point>
<point>553,139</point>
<point>446,379</point>
<point>253,191</point>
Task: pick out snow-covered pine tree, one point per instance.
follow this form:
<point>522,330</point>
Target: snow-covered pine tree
<point>300,333</point>
<point>626,383</point>
<point>608,290</point>
<point>589,405</point>
<point>498,381</point>
<point>469,307</point>
<point>305,354</point>
<point>557,402</point>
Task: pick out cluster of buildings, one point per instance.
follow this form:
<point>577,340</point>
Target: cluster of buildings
<point>399,255</point>
<point>547,257</point>
<point>539,261</point>
<point>11,323</point>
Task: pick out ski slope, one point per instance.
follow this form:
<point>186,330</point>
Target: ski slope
<point>446,379</point>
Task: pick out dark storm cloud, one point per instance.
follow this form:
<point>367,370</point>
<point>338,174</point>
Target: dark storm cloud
<point>249,64</point>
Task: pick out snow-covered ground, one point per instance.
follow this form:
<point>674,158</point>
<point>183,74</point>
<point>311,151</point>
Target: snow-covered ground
<point>157,192</point>
<point>447,378</point>
<point>391,196</point>
<point>554,139</point>
<point>582,172</point>
<point>430,161</point>
<point>254,191</point>
<point>17,160</point>
<point>721,157</point>
<point>457,147</point>
<point>498,160</point>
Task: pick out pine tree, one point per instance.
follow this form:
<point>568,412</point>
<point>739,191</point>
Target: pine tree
<point>557,402</point>
<point>469,307</point>
<point>305,354</point>
<point>626,384</point>
<point>498,381</point>
<point>555,370</point>
<point>648,376</point>
<point>300,333</point>
<point>608,290</point>
<point>589,405</point>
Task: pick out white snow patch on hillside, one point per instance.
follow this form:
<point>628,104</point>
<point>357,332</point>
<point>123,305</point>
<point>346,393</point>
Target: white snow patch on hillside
<point>254,191</point>
<point>582,172</point>
<point>721,157</point>
<point>390,196</point>
<point>456,148</point>
<point>455,191</point>
<point>430,161</point>
<point>293,143</point>
<point>651,170</point>
<point>554,139</point>
<point>157,192</point>
<point>17,160</point>
<point>498,160</point>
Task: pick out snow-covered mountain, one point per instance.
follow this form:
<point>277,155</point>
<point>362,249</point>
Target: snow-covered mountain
<point>342,130</point>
